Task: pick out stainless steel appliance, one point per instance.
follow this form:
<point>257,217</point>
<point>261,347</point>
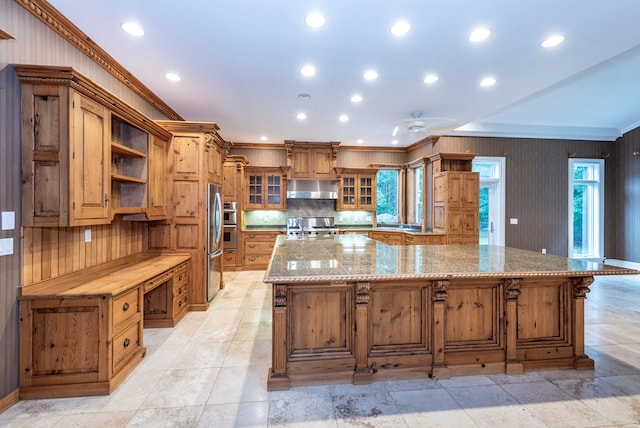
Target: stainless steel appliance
<point>311,227</point>
<point>312,189</point>
<point>230,229</point>
<point>214,247</point>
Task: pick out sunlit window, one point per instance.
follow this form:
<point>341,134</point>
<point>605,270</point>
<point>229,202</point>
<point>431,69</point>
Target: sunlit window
<point>387,196</point>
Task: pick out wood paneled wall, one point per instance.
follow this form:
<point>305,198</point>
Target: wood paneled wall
<point>626,216</point>
<point>51,252</point>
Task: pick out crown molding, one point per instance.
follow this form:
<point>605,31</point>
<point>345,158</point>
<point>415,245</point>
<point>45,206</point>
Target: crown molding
<point>5,36</point>
<point>72,34</point>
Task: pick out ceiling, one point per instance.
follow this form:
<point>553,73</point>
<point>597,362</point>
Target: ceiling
<point>240,66</point>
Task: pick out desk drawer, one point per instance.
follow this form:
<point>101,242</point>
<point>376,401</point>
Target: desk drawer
<point>163,277</point>
<point>125,344</point>
<point>125,307</point>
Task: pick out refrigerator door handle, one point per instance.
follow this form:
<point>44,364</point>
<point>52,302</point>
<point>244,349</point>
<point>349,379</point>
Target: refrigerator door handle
<point>217,209</point>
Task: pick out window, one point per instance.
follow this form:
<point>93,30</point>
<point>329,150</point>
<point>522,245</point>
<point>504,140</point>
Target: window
<point>418,194</point>
<point>586,207</point>
<point>492,195</point>
<point>388,189</point>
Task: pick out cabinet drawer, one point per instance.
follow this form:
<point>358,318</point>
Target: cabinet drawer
<point>180,300</point>
<point>229,259</point>
<point>180,280</point>
<point>125,307</point>
<point>262,236</point>
<point>153,283</point>
<point>125,344</point>
<point>256,260</point>
<point>182,269</point>
<point>259,247</point>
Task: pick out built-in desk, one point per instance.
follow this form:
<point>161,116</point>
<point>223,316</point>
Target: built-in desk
<point>82,333</point>
<point>357,310</point>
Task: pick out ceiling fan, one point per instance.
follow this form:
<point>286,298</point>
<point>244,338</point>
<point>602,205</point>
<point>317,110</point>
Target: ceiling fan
<point>419,126</point>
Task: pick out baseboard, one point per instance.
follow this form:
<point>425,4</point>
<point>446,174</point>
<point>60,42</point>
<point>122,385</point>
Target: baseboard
<point>9,400</point>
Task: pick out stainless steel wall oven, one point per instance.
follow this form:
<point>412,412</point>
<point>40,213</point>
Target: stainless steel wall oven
<point>230,227</point>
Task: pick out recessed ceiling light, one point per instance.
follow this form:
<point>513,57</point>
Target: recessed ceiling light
<point>488,81</point>
<point>301,116</point>
<point>360,141</point>
<point>308,70</point>
<point>304,96</point>
<point>263,138</point>
<point>370,75</point>
<point>173,77</point>
<point>479,34</point>
<point>315,20</point>
<point>394,142</point>
<point>133,28</point>
<point>356,98</point>
<point>400,28</point>
<point>551,41</point>
<point>430,78</point>
<point>343,118</point>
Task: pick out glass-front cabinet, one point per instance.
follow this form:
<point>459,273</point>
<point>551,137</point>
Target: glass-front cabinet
<point>265,188</point>
<point>357,189</point>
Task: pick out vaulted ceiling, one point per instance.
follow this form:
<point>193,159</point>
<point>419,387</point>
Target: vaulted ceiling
<point>240,62</point>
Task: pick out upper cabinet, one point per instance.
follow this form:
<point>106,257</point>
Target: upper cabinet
<point>86,155</point>
<point>266,188</point>
<point>312,160</point>
<point>356,189</point>
<point>233,178</point>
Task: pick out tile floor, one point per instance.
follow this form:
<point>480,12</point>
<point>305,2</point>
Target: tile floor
<point>210,371</point>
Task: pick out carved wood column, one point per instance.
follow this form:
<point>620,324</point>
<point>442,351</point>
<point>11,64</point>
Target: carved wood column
<point>362,374</point>
<point>278,379</point>
<point>580,288</point>
<point>511,293</point>
<point>439,296</point>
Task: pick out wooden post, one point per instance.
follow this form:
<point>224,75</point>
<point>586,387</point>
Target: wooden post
<point>580,289</point>
<point>278,379</point>
<point>511,293</point>
<point>439,296</point>
<point>362,374</point>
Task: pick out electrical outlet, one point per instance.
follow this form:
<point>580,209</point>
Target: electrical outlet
<point>87,235</point>
<point>544,251</point>
<point>513,221</point>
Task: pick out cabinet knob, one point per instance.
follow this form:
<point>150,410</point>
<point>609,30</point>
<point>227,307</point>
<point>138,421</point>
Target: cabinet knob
<point>126,342</point>
<point>125,307</point>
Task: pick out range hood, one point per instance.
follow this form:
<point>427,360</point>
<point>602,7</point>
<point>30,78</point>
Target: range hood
<point>312,189</point>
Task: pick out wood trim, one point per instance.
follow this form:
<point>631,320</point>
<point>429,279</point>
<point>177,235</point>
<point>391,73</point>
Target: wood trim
<point>425,141</point>
<point>5,36</point>
<point>72,34</point>
<point>9,400</point>
<point>258,146</point>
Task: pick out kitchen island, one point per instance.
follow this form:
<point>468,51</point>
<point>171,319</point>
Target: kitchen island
<point>351,309</point>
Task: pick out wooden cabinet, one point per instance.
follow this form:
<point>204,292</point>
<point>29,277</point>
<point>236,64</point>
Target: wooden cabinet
<point>312,160</point>
<point>266,188</point>
<point>189,165</point>
<point>166,297</point>
<point>85,153</point>
<point>422,239</point>
<point>158,180</point>
<point>387,237</point>
<point>456,197</point>
<point>257,248</point>
<point>233,179</point>
<point>82,333</point>
<point>356,189</point>
<point>214,147</point>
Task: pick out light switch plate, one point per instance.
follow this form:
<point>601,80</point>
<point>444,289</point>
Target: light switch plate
<point>87,235</point>
<point>513,221</point>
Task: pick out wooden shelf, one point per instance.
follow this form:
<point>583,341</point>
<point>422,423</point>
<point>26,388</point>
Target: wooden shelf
<point>126,179</point>
<point>124,151</point>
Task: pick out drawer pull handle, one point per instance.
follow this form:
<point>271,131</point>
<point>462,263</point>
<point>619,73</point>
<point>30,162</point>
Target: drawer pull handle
<point>125,307</point>
<point>127,342</point>
<point>179,277</point>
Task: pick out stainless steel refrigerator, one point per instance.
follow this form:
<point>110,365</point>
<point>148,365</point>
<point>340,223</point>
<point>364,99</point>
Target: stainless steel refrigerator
<point>214,241</point>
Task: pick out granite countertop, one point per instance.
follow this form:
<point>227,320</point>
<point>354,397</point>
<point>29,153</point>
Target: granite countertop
<point>358,258</point>
<point>346,228</point>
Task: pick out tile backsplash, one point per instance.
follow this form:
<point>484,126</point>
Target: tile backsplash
<point>308,208</point>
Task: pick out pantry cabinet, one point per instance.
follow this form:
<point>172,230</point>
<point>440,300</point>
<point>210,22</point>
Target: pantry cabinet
<point>356,189</point>
<point>456,197</point>
<point>86,156</point>
<point>233,179</point>
<point>266,188</point>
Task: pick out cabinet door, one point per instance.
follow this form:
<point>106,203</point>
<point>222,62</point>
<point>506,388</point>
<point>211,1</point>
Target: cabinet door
<point>214,164</point>
<point>89,175</point>
<point>301,163</point>
<point>322,164</point>
<point>274,191</point>
<point>366,192</point>
<point>157,180</point>
<point>255,191</point>
<point>348,197</point>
